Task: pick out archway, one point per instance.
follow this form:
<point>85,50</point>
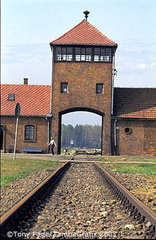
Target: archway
<point>87,122</point>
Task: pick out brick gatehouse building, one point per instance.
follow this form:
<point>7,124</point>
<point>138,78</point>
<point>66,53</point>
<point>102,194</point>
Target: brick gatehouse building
<point>83,69</point>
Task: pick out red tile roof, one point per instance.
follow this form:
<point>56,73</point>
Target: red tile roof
<point>84,33</point>
<point>34,99</point>
<point>135,102</point>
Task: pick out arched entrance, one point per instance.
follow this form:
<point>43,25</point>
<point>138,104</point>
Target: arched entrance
<point>82,78</point>
<point>73,110</point>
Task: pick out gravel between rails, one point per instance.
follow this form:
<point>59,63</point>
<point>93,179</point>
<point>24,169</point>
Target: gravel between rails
<point>142,186</point>
<point>18,188</point>
<point>81,207</point>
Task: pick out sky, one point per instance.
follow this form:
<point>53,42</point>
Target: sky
<point>81,118</point>
<point>29,25</point>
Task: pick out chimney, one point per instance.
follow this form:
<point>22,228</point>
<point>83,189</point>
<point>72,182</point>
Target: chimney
<point>25,82</point>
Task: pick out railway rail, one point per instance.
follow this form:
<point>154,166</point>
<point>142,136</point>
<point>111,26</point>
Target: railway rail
<point>35,199</point>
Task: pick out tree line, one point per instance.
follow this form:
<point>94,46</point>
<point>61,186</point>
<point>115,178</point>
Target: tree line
<point>81,136</point>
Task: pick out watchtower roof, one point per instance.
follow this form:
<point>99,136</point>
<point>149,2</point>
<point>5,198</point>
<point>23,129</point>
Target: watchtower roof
<point>84,34</point>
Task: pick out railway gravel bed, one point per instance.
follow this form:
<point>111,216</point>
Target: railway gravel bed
<point>81,207</point>
<point>142,186</point>
<point>13,192</point>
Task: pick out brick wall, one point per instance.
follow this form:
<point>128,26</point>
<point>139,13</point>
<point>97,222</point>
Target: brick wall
<point>82,79</point>
<point>140,140</point>
<point>135,102</point>
<point>41,132</point>
<point>150,138</point>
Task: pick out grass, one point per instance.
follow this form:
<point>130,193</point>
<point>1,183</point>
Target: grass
<point>69,150</point>
<point>125,159</point>
<point>140,168</point>
<point>20,168</point>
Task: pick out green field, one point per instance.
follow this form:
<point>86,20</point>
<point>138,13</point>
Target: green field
<point>125,159</point>
<point>20,168</point>
<point>135,168</point>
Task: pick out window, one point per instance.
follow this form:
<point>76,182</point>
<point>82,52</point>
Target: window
<point>102,54</point>
<point>11,97</point>
<point>83,54</point>
<point>64,87</point>
<point>64,54</point>
<point>99,88</point>
<point>29,132</point>
<point>128,130</point>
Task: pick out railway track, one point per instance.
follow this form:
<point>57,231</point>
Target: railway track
<point>79,200</point>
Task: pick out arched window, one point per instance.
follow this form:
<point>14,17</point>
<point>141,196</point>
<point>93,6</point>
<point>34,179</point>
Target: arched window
<point>29,132</point>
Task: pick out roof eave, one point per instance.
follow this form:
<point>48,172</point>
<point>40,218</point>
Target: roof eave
<point>13,115</point>
<point>132,118</point>
<point>78,44</point>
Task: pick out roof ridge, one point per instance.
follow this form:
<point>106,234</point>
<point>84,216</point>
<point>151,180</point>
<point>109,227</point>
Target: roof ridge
<point>135,88</point>
<point>103,35</point>
<point>68,31</point>
<point>75,35</point>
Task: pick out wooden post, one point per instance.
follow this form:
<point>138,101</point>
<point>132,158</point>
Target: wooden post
<point>15,143</point>
<point>17,114</point>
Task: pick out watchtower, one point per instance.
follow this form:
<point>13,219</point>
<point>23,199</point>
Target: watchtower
<point>82,77</point>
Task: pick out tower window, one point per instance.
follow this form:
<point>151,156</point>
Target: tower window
<point>99,88</point>
<point>83,54</point>
<point>11,97</point>
<point>64,87</point>
<point>64,54</point>
<point>102,54</point>
<point>29,132</point>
